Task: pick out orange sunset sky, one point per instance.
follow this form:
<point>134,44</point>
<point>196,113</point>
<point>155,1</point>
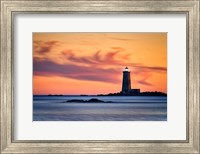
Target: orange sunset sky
<point>92,63</point>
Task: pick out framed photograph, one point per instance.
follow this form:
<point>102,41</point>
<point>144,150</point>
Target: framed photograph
<point>100,76</point>
<point>65,64</point>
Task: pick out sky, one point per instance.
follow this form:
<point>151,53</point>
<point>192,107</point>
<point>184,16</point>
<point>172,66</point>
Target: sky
<point>92,63</point>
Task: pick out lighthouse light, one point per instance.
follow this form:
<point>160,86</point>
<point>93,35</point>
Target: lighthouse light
<point>126,69</point>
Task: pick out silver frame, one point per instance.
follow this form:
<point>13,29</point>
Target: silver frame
<point>8,10</point>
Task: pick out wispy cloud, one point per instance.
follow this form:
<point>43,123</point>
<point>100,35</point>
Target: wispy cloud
<point>144,79</point>
<point>100,58</point>
<point>46,67</point>
<point>112,58</point>
<point>118,48</point>
<point>41,47</point>
<point>140,68</point>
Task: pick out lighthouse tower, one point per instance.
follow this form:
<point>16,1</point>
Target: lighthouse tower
<point>126,83</point>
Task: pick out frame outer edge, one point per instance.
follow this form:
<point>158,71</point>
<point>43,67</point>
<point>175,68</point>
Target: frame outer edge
<point>6,93</point>
<point>3,79</point>
<point>196,53</point>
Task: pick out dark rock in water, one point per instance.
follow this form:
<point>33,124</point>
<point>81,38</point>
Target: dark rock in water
<point>76,100</point>
<point>93,100</point>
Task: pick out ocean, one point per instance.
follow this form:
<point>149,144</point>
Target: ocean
<point>114,108</point>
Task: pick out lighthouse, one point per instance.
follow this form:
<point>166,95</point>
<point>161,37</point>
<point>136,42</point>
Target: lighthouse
<point>126,83</point>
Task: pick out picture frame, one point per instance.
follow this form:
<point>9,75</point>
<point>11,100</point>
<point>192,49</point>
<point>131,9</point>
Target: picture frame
<point>11,7</point>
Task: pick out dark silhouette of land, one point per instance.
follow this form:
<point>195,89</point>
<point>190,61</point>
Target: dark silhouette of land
<point>55,95</point>
<point>147,93</point>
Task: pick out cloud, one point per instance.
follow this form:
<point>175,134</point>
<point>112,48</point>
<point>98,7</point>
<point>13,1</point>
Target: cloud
<point>153,68</point>
<point>41,47</point>
<point>99,58</point>
<point>140,68</point>
<point>144,76</point>
<point>118,48</point>
<point>144,83</point>
<point>45,67</point>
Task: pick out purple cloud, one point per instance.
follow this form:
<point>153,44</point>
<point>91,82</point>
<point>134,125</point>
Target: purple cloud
<point>144,83</point>
<point>48,68</point>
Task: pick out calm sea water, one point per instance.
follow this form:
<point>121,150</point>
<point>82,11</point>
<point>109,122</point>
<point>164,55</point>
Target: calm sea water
<point>122,108</point>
